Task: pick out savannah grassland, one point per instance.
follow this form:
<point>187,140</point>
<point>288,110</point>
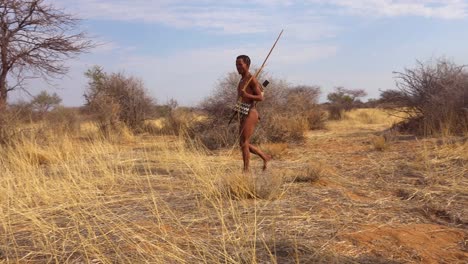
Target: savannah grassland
<point>346,195</point>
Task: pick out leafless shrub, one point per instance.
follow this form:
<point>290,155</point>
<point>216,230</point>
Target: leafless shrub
<point>316,118</point>
<point>23,110</point>
<point>64,120</point>
<point>432,97</point>
<point>283,128</point>
<point>106,112</point>
<point>302,101</point>
<point>179,120</point>
<point>116,98</point>
<point>214,133</point>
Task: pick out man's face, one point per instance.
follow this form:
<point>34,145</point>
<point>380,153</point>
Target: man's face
<point>241,66</point>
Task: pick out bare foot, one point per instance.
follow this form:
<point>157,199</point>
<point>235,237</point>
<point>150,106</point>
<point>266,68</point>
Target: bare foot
<point>265,161</point>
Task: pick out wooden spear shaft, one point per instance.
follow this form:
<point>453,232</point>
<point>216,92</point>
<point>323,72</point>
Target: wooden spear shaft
<point>264,62</point>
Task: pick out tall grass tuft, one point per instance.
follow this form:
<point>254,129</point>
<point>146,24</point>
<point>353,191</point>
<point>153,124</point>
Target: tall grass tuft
<point>248,186</point>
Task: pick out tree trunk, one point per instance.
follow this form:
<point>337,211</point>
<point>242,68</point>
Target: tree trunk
<point>3,91</point>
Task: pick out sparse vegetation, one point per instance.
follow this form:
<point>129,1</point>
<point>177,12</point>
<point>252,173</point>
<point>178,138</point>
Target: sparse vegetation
<point>72,198</point>
<point>8,126</point>
<point>311,173</point>
<point>343,100</point>
<point>276,150</point>
<point>45,102</point>
<point>244,186</point>
<point>379,143</point>
<point>433,97</point>
<point>117,100</point>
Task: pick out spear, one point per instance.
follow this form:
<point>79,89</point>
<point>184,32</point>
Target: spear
<point>258,72</point>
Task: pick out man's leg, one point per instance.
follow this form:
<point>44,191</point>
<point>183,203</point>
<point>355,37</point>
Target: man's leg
<point>261,154</point>
<point>247,129</point>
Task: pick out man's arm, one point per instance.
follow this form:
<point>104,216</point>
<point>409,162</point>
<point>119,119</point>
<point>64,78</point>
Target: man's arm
<point>257,93</point>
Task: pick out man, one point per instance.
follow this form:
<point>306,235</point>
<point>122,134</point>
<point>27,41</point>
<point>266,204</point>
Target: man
<point>249,92</point>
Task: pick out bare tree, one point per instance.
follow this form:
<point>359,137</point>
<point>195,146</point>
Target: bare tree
<point>36,38</point>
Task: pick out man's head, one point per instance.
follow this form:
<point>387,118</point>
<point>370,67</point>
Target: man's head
<point>242,64</point>
<point>245,59</point>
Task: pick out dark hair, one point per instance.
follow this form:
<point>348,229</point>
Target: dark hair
<point>244,58</point>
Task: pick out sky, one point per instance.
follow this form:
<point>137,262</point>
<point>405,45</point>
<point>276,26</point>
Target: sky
<point>181,49</point>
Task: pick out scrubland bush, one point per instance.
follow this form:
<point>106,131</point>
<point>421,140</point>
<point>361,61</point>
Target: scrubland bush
<point>106,112</point>
<point>342,100</point>
<point>335,112</point>
<point>22,109</point>
<point>45,102</point>
<point>180,120</point>
<point>433,97</point>
<point>37,108</point>
<point>65,120</point>
<point>286,113</point>
<point>8,126</point>
<point>115,99</point>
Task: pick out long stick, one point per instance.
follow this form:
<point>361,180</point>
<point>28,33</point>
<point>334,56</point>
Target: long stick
<point>264,62</point>
<point>258,71</point>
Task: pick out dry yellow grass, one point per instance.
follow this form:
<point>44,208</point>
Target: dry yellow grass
<point>276,150</point>
<point>157,199</point>
<point>364,119</point>
<point>379,143</point>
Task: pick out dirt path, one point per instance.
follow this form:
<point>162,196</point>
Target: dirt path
<point>372,208</point>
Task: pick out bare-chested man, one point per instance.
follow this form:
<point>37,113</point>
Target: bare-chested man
<point>248,113</point>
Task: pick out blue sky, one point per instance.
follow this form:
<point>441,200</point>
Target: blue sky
<point>180,49</point>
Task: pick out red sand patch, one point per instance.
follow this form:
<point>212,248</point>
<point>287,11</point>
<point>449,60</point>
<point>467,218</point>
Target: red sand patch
<point>350,194</point>
<point>421,243</point>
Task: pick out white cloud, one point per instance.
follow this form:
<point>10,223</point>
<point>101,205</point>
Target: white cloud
<point>104,46</point>
<point>226,17</point>
<point>444,9</point>
<point>304,20</point>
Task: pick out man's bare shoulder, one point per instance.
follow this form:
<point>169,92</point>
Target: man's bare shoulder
<point>254,82</point>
